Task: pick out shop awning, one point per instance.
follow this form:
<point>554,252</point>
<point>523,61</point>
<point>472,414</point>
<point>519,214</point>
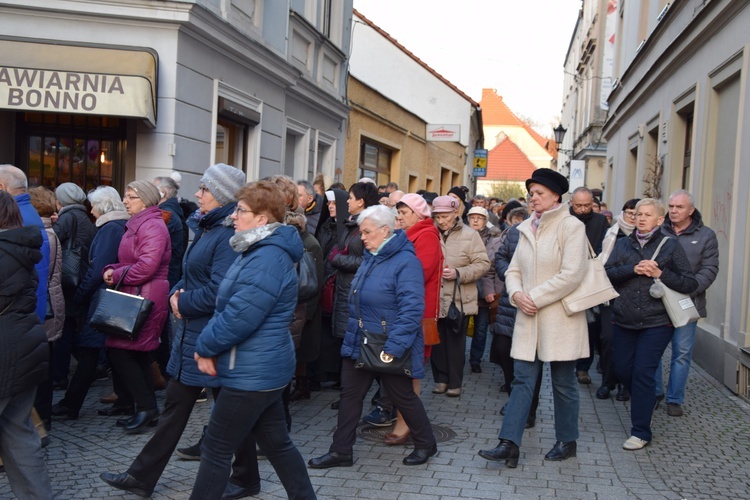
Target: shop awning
<point>42,75</point>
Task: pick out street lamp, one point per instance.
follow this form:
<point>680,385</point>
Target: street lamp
<point>559,132</point>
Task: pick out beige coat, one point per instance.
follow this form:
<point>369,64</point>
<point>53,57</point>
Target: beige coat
<point>53,327</point>
<point>548,273</point>
<point>464,251</point>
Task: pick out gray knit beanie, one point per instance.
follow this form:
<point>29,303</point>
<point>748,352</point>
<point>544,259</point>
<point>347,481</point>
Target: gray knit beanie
<point>70,194</point>
<point>223,181</point>
<point>146,191</point>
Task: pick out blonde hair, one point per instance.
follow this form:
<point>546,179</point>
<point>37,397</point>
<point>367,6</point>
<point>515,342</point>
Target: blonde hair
<point>658,205</point>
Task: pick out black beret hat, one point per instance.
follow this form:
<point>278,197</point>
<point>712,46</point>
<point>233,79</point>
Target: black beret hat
<point>550,179</point>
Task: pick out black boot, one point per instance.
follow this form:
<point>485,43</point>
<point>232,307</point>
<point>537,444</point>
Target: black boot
<point>506,450</point>
<point>192,452</point>
<point>128,483</point>
<point>141,420</point>
<point>301,389</point>
<point>561,451</point>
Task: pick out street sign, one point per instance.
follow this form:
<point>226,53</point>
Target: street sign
<point>480,163</point>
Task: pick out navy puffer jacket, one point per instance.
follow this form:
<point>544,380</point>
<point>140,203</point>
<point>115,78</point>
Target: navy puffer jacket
<point>249,331</point>
<point>389,287</point>
<point>506,313</point>
<point>203,268</point>
<point>635,308</point>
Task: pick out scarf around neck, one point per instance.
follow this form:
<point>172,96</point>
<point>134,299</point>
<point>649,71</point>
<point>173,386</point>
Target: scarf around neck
<point>644,238</point>
<point>245,239</point>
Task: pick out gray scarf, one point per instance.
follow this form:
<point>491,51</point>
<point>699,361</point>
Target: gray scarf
<point>245,239</point>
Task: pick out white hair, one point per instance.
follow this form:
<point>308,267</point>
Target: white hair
<point>105,199</point>
<point>380,215</point>
<point>367,179</point>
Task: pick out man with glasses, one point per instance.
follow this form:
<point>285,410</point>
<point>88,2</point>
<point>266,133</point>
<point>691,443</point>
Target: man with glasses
<point>582,205</point>
<point>623,226</point>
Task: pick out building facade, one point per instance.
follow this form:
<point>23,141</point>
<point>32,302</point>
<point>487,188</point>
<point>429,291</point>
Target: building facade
<point>587,83</point>
<point>408,124</point>
<point>677,120</point>
<point>109,92</point>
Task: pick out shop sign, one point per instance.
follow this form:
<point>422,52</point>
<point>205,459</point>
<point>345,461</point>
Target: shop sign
<point>444,133</point>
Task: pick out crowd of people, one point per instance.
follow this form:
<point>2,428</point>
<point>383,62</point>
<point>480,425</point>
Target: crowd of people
<point>266,291</point>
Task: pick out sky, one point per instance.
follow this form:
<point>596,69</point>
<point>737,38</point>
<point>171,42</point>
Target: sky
<point>517,47</point>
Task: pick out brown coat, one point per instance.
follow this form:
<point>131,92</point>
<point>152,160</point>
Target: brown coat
<point>465,252</point>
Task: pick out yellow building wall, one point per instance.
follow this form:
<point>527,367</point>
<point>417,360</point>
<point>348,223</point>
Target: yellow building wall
<point>415,162</point>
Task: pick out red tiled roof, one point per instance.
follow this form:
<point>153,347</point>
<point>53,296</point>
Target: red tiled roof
<point>506,162</point>
<point>495,111</point>
<point>418,60</point>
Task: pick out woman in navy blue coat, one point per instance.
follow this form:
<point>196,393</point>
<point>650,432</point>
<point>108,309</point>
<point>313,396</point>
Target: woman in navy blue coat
<point>192,303</point>
<point>247,345</point>
<point>387,292</point>
<point>111,217</point>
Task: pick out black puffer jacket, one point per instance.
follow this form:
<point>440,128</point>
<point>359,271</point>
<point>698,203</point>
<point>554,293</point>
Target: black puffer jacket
<point>635,308</point>
<point>74,227</point>
<point>346,267</point>
<point>23,343</point>
<point>506,313</point>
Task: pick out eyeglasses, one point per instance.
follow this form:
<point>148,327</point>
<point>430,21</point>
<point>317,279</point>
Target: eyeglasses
<point>131,197</point>
<point>202,188</point>
<point>630,213</point>
<point>239,210</point>
<point>368,232</point>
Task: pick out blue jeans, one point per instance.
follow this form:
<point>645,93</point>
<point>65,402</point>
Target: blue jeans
<point>21,448</point>
<point>683,341</point>
<point>637,354</point>
<point>479,340</point>
<point>564,393</point>
<point>235,414</point>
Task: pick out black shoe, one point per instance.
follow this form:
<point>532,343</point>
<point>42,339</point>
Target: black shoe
<point>122,422</point>
<point>202,397</point>
<point>141,420</point>
<point>561,451</point>
<point>314,386</point>
<point>476,369</point>
<point>102,373</point>
<point>128,483</point>
<point>420,456</point>
<point>603,392</point>
<point>192,452</point>
<point>530,423</point>
<point>502,410</point>
<point>236,491</point>
<point>335,404</point>
<point>60,385</point>
<point>504,388</point>
<point>506,450</point>
<point>58,410</point>
<point>331,459</point>
<point>116,411</point>
<point>624,395</point>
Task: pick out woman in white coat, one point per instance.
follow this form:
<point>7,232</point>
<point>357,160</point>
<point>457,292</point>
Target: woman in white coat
<point>548,265</point>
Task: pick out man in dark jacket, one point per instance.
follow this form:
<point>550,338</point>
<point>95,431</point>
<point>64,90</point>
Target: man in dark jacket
<point>313,204</point>
<point>702,248</point>
<point>176,225</point>
<point>582,207</point>
<point>23,355</point>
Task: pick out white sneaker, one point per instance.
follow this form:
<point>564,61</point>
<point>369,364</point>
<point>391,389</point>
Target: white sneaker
<point>634,443</point>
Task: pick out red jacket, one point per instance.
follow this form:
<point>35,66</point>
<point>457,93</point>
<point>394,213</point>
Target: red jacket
<point>428,247</point>
<point>146,249</point>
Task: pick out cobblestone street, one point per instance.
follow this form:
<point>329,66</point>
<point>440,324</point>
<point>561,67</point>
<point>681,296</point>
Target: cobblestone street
<point>703,454</point>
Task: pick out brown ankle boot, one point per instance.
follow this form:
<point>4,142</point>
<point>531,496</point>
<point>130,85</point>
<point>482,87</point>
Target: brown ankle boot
<point>159,381</point>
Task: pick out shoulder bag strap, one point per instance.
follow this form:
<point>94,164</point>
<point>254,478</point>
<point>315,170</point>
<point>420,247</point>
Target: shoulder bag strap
<point>54,262</point>
<point>457,286</point>
<point>661,243</point>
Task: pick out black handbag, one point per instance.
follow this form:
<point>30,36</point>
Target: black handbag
<point>72,260</point>
<point>308,278</point>
<point>455,321</point>
<point>372,357</point>
<point>120,314</point>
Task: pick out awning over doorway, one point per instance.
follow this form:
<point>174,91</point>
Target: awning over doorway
<point>41,75</point>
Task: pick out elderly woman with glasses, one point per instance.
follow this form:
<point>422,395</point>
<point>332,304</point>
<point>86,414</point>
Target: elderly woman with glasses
<point>387,294</point>
<point>247,346</point>
<point>142,267</point>
<point>192,302</point>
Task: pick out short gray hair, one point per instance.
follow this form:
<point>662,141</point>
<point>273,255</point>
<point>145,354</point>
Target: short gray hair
<point>582,189</point>
<point>309,188</point>
<point>380,215</point>
<point>13,178</point>
<point>105,199</point>
<point>686,193</point>
<point>168,186</point>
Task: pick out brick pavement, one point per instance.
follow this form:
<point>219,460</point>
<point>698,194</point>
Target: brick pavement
<point>703,454</point>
